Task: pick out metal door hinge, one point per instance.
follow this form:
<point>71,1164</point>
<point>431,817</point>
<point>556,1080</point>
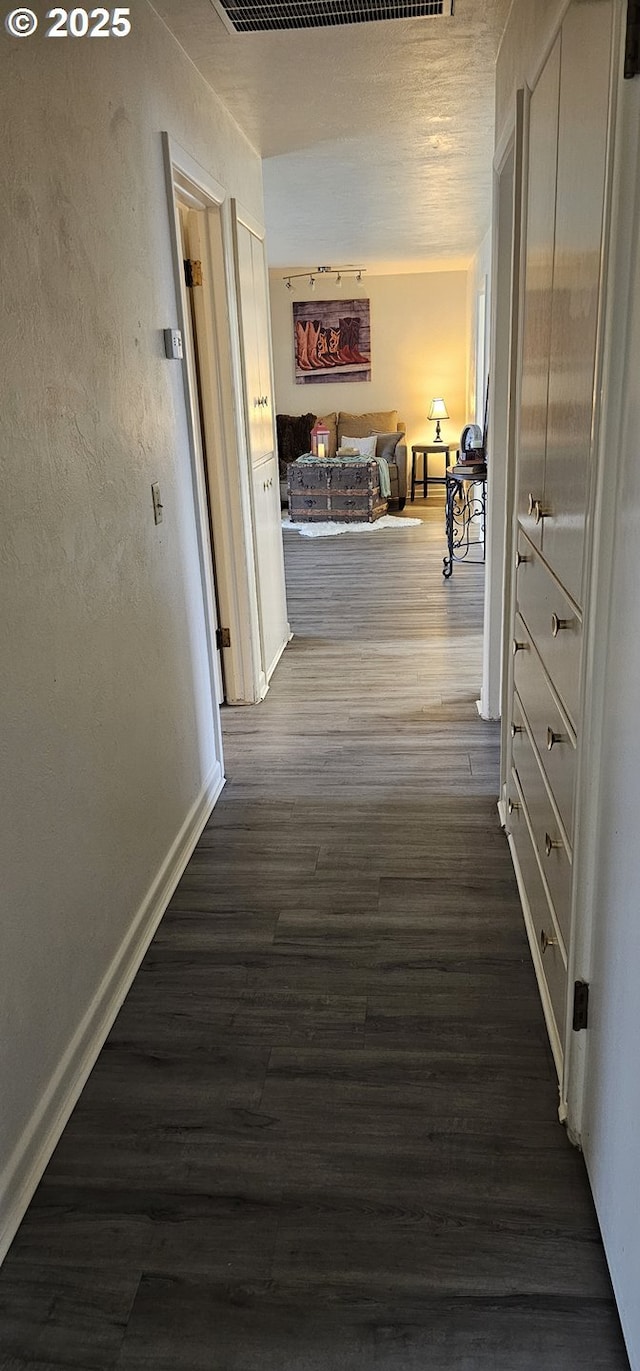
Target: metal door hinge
<point>580,1006</point>
<point>223,637</point>
<point>192,272</point>
<point>632,45</point>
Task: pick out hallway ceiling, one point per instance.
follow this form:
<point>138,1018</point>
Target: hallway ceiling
<point>377,138</point>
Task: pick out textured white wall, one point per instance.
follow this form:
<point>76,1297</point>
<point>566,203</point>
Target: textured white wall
<point>106,705</point>
<point>419,350</point>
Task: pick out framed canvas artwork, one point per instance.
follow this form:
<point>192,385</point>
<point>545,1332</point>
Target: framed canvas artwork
<point>332,341</point>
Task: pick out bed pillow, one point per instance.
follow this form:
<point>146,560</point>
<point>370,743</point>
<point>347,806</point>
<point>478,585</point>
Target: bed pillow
<point>365,446</point>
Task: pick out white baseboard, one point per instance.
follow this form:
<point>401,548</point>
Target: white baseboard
<point>484,714</point>
<point>29,1159</point>
<point>274,663</point>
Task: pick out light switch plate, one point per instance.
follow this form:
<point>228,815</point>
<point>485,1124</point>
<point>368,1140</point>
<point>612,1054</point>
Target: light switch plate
<point>157,503</point>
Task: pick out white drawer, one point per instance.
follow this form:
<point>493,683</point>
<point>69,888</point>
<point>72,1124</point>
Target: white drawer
<point>548,839</point>
<point>553,623</point>
<point>547,953</point>
<point>551,732</point>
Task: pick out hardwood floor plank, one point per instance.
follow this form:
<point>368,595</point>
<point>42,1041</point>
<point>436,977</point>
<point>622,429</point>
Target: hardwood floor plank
<point>182,1326</point>
<point>323,1135</point>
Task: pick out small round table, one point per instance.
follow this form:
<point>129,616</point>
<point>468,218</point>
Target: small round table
<point>423,449</point>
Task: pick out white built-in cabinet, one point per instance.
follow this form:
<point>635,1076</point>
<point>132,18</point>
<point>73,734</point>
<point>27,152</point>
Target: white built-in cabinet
<point>555,485</point>
<point>259,415</point>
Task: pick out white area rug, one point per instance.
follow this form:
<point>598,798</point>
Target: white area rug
<point>331,530</point>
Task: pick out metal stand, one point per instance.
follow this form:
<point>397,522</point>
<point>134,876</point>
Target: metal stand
<point>466,507</point>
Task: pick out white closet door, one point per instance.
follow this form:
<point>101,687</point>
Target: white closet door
<point>274,627</point>
<point>250,347</point>
<point>582,150</point>
<point>261,306</point>
<point>543,143</point>
<point>265,485</point>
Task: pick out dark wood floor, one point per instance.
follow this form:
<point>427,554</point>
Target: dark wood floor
<point>322,1135</point>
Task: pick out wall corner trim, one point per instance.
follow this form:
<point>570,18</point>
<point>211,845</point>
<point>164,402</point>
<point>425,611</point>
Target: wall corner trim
<point>24,1170</point>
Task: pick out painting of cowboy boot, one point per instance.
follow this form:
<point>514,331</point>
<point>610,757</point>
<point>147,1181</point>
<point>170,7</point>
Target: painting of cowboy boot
<point>313,331</point>
<point>302,358</point>
<point>354,339</point>
<point>332,341</point>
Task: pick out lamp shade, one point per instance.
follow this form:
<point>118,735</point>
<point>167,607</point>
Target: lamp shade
<point>438,410</point>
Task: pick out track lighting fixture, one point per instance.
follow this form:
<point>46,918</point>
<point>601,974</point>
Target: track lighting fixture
<point>310,276</point>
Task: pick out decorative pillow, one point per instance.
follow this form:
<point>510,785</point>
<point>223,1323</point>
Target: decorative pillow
<point>330,421</point>
<point>384,421</point>
<point>366,447</point>
<point>386,444</point>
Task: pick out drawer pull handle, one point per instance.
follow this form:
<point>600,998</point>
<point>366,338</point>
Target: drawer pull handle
<point>558,624</point>
<point>518,647</point>
<point>536,509</point>
<point>553,738</point>
<point>521,559</point>
<point>550,844</point>
<point>513,806</point>
<point>546,941</point>
<point>516,729</point>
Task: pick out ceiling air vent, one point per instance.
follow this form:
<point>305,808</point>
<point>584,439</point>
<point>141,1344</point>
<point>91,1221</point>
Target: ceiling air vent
<point>252,16</point>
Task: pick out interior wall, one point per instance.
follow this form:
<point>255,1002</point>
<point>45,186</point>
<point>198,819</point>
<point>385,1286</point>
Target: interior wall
<point>110,743</point>
<point>419,350</point>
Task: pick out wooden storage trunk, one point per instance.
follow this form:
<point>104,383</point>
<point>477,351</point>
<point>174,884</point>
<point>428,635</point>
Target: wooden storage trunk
<point>348,492</point>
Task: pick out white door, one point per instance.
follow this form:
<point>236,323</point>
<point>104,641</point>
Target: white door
<point>267,520</point>
<point>189,231</point>
<point>538,290</point>
<point>268,541</point>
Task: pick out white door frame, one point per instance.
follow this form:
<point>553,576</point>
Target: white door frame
<point>497,636</point>
<point>231,512</point>
<point>505,323</point>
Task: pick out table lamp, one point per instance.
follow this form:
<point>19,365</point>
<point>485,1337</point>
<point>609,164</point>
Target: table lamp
<point>438,411</point>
